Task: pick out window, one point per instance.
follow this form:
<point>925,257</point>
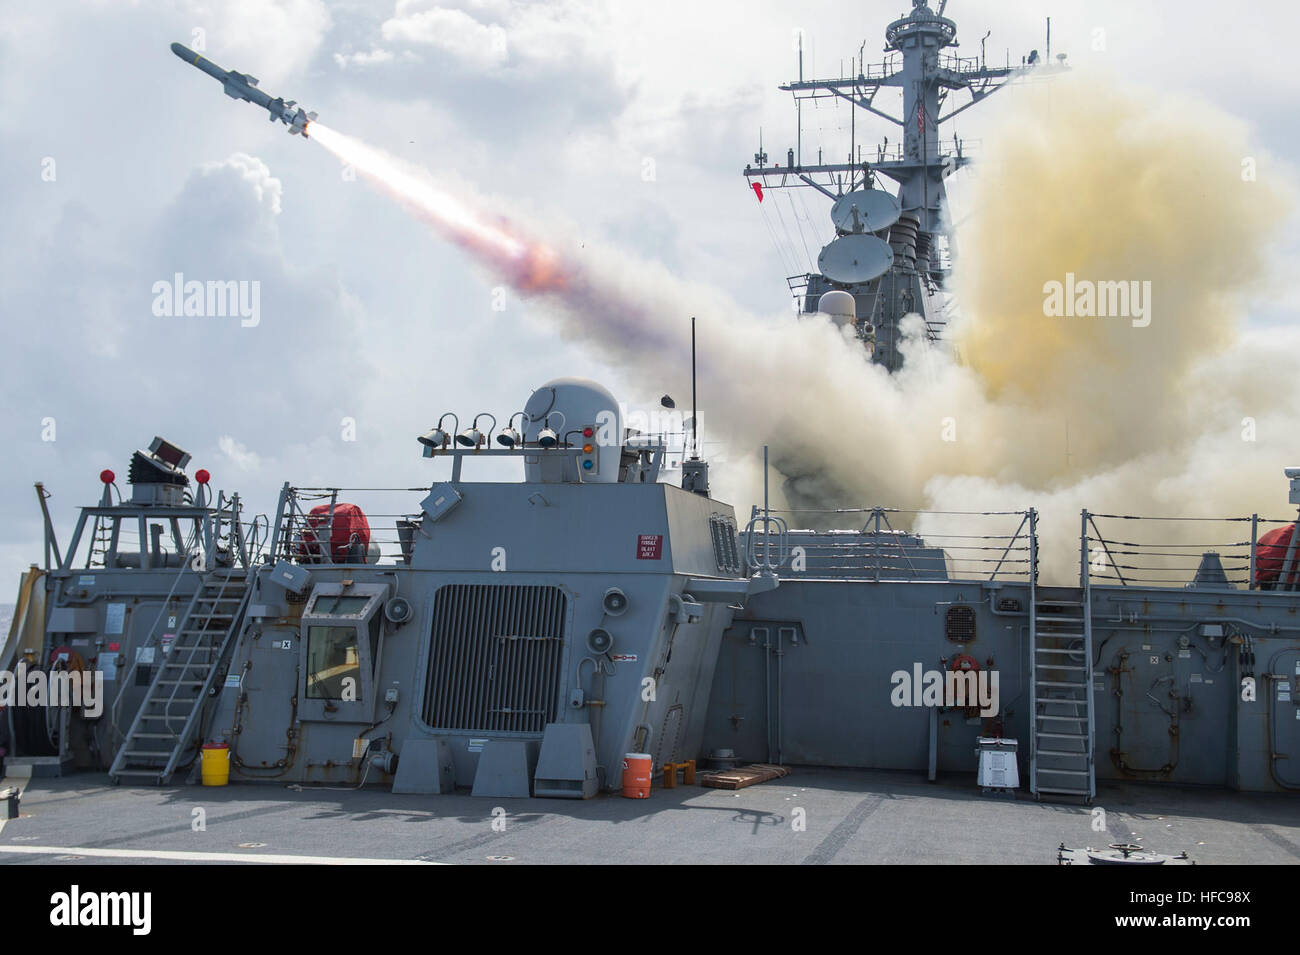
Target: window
<point>332,657</point>
<point>337,604</point>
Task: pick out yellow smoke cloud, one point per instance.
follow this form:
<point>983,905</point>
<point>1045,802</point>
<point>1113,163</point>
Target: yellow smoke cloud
<point>1020,408</point>
<point>1108,185</point>
<point>1118,414</point>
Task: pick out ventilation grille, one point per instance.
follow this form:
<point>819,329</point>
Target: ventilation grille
<point>494,658</point>
<point>725,549</point>
<point>959,624</point>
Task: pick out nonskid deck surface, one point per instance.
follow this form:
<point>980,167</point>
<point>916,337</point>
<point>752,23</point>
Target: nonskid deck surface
<point>851,817</point>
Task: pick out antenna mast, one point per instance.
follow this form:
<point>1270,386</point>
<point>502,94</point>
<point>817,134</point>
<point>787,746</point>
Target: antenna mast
<point>695,413</point>
<point>922,62</point>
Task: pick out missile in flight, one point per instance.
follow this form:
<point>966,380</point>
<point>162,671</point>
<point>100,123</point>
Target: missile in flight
<point>242,86</point>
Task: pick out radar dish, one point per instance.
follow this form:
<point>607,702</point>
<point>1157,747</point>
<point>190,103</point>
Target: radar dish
<point>876,210</point>
<point>855,258</point>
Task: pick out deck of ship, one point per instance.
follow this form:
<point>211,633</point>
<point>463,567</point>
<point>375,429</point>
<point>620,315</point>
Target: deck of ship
<point>851,817</point>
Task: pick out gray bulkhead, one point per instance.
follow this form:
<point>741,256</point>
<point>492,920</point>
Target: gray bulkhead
<point>804,677</point>
<point>487,582</point>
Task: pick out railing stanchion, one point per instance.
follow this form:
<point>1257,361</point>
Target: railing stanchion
<point>1083,548</point>
<point>1254,541</point>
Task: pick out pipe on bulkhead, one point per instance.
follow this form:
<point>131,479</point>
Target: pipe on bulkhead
<point>1271,721</point>
<point>934,742</point>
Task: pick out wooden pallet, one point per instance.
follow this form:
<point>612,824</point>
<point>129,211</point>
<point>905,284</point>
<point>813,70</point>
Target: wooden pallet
<point>743,776</point>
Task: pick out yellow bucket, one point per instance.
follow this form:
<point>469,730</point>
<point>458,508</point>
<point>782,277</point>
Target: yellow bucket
<point>215,765</point>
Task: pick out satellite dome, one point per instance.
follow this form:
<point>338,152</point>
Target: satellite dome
<point>569,407</point>
<point>839,305</point>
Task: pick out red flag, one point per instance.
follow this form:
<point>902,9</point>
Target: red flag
<point>920,117</point>
<point>758,190</point>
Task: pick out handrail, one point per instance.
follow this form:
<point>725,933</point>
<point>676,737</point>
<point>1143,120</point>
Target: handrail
<point>150,640</point>
<point>1134,560</point>
<point>195,641</point>
<point>767,566</point>
<point>952,548</point>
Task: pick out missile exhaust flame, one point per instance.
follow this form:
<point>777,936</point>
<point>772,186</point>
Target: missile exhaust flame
<point>529,265</point>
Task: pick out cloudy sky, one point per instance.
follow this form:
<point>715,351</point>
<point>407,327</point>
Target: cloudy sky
<point>120,167</point>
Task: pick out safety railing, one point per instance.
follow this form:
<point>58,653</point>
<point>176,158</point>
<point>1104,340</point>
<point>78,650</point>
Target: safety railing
<point>766,542</point>
<point>323,525</point>
<point>884,543</point>
<point>1239,552</point>
<point>871,74</point>
<point>228,538</point>
<point>129,536</point>
<point>882,70</point>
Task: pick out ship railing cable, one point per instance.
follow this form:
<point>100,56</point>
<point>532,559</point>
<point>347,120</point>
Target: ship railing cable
<point>255,533</point>
<point>799,226</point>
<point>128,542</point>
<point>228,541</point>
<point>786,177</point>
<point>892,510</point>
<point>306,538</point>
<point>793,253</point>
<point>903,544</point>
<point>119,538</point>
<point>786,263</point>
<point>1191,551</point>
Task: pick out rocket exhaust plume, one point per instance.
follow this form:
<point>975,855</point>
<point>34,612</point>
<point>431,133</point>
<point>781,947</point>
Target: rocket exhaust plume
<point>528,265</point>
<point>1155,415</point>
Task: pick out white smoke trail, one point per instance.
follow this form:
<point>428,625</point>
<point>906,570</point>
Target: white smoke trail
<point>1104,183</point>
<point>529,265</point>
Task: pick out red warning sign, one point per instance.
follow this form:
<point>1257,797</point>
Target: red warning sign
<point>649,546</point>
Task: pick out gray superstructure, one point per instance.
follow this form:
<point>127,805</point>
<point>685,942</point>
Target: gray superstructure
<point>519,638</point>
<point>509,637</point>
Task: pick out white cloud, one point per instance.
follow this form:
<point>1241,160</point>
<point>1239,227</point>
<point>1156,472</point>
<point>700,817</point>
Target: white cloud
<point>493,35</point>
<point>363,58</point>
<point>238,453</point>
<point>280,36</point>
<point>453,31</point>
<point>255,173</point>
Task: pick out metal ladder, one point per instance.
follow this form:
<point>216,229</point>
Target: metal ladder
<point>1060,683</point>
<point>168,718</point>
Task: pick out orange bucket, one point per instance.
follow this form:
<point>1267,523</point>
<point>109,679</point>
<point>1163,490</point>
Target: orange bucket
<point>636,775</point>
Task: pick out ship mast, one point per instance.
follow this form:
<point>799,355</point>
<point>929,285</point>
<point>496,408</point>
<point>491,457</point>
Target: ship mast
<point>930,81</point>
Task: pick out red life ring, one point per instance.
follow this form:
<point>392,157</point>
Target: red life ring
<point>964,661</point>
